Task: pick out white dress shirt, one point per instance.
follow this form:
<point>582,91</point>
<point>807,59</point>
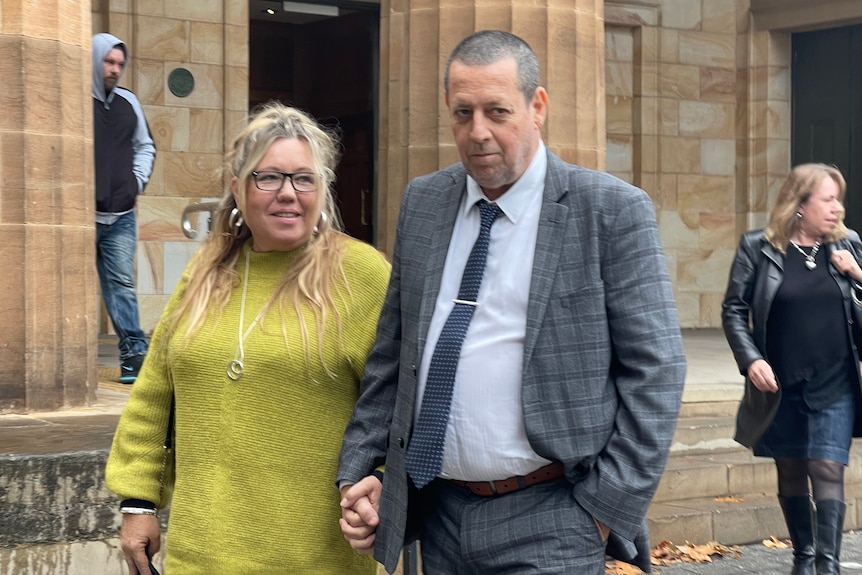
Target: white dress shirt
<point>485,435</point>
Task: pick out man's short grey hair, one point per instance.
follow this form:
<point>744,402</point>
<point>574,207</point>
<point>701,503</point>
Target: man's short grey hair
<point>489,47</point>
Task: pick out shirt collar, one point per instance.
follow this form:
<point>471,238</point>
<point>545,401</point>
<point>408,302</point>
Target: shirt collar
<point>516,199</point>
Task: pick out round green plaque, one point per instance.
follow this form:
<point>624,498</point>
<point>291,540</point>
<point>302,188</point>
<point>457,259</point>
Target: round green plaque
<point>181,82</point>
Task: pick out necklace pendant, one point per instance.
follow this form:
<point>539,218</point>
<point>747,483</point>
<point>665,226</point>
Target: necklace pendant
<point>234,369</point>
<point>809,258</point>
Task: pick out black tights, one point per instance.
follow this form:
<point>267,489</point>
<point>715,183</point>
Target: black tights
<point>827,478</point>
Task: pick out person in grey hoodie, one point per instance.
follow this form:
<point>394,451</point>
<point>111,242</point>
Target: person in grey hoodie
<point>124,152</point>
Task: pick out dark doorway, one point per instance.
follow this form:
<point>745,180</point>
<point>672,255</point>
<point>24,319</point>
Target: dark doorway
<point>323,59</point>
<point>827,106</point>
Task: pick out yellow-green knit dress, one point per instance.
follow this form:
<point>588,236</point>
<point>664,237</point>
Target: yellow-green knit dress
<point>255,458</point>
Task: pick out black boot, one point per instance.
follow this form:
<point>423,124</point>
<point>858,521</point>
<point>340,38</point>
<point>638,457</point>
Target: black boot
<point>797,515</point>
<point>830,522</point>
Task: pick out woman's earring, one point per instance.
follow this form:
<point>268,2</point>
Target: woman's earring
<point>235,219</point>
<point>323,219</point>
<point>798,216</point>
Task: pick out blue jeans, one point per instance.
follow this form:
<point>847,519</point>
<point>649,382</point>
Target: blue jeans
<point>115,262</point>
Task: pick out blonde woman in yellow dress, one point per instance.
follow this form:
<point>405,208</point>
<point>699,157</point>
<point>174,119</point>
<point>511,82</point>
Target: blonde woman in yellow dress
<point>258,356</point>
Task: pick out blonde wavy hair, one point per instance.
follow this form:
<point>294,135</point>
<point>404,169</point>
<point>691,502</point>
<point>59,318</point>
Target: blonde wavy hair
<point>213,273</point>
<point>795,191</point>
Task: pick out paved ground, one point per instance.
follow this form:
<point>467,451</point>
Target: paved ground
<point>765,561</point>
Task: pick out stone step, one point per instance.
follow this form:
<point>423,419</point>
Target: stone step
<point>730,473</point>
<point>703,519</point>
<point>698,435</point>
<point>55,497</point>
<point>742,520</point>
<point>710,400</point>
<point>725,408</point>
<point>729,496</point>
<point>707,418</point>
<point>715,475</point>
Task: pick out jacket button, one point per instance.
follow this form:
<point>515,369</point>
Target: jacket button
<point>401,442</point>
<point>413,367</point>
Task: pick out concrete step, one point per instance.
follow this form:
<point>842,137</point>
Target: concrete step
<point>730,473</point>
<point>730,496</point>
<point>703,519</point>
<point>725,408</point>
<point>55,497</point>
<point>707,417</point>
<point>716,475</point>
<point>698,435</point>
<point>745,519</point>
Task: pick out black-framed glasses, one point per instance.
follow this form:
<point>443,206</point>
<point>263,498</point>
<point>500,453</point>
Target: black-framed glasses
<point>273,181</point>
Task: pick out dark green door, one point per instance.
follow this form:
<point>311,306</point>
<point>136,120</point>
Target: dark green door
<point>827,106</point>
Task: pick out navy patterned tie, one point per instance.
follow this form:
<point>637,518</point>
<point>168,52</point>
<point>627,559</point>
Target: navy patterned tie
<point>425,454</point>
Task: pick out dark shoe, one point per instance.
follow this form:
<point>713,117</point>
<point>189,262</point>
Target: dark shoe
<point>830,522</point>
<point>800,525</point>
<point>130,367</point>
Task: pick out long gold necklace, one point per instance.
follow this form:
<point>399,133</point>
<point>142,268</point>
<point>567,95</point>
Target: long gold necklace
<point>236,367</point>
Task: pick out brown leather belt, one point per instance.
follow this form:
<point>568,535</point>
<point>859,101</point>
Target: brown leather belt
<point>503,486</point>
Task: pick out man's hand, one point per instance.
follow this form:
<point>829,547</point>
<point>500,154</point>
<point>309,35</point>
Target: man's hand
<point>359,519</point>
<point>604,530</point>
<point>140,535</point>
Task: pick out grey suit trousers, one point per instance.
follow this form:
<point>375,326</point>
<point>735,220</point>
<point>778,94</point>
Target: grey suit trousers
<point>538,530</point>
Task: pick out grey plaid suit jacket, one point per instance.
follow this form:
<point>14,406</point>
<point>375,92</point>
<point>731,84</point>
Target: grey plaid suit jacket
<point>603,359</point>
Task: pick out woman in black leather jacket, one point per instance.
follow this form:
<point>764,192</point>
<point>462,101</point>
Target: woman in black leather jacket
<point>789,315</point>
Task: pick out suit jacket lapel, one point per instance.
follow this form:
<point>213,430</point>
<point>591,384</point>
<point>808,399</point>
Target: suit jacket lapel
<point>447,213</point>
<point>550,236</point>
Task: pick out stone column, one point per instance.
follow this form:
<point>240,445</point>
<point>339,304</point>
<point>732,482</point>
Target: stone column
<point>48,284</point>
<point>416,37</point>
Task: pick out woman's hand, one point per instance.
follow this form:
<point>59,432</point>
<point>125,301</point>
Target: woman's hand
<point>140,537</point>
<point>845,263</point>
<point>359,519</point>
<point>761,375</point>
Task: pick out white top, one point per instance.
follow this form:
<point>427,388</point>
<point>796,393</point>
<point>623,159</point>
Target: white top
<point>485,436</point>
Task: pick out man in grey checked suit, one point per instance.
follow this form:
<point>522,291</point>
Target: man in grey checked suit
<point>570,377</point>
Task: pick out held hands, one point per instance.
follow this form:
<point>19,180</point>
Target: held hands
<point>359,519</point>
<point>761,375</point>
<point>845,263</point>
<point>139,535</point>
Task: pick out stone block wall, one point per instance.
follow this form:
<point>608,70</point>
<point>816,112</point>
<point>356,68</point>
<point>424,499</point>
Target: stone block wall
<point>698,115</point>
<point>209,38</point>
